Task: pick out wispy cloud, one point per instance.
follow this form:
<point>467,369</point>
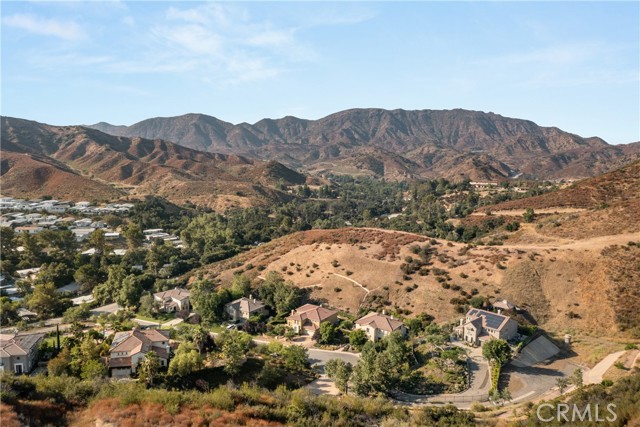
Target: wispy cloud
<point>67,30</point>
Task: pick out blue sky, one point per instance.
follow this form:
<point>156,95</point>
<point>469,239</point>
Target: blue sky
<point>574,65</point>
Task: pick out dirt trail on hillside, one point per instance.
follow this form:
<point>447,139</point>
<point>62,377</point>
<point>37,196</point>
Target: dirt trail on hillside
<point>555,242</point>
<point>588,244</point>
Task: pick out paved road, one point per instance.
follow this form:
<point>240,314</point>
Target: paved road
<point>321,357</point>
<point>479,385</point>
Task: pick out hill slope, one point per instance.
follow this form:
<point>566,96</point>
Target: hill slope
<point>397,144</point>
<point>568,286</point>
<point>604,205</point>
<point>135,165</point>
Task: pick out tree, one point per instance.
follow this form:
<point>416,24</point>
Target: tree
<point>186,360</point>
<point>296,358</point>
<point>240,285</point>
<point>562,384</point>
<point>59,365</point>
<point>328,333</point>
<point>134,236</point>
<point>45,301</point>
<point>147,305</point>
<point>281,296</point>
<point>340,372</point>
<point>200,337</point>
<point>130,292</point>
<point>98,241</point>
<point>577,378</point>
<point>62,244</point>
<point>32,254</point>
<point>497,351</point>
<point>77,313</point>
<point>358,338</point>
<point>208,302</point>
<point>8,251</point>
<point>505,395</point>
<point>148,368</point>
<point>107,291</point>
<point>528,215</point>
<point>56,272</point>
<point>93,368</point>
<point>88,277</point>
<point>235,345</point>
<point>8,312</point>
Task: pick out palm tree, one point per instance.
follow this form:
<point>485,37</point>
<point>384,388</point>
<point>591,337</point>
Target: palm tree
<point>200,337</point>
<point>148,368</point>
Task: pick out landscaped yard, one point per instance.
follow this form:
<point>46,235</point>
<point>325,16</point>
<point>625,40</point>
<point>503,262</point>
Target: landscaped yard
<point>438,372</point>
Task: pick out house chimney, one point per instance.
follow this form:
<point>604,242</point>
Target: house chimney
<point>499,311</point>
<point>384,312</point>
<point>250,297</point>
<point>292,311</point>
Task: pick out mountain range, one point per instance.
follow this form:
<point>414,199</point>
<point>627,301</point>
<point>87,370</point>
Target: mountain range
<point>75,162</point>
<point>397,144</point>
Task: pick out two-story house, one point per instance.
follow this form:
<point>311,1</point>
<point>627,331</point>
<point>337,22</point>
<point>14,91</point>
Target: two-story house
<point>307,319</point>
<point>378,326</point>
<point>176,299</point>
<point>244,308</point>
<point>480,325</point>
<point>129,348</point>
<point>19,353</point>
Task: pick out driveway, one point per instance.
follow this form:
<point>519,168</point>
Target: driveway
<point>533,381</point>
<point>321,357</point>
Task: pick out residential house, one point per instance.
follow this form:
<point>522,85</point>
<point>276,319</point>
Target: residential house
<point>31,229</point>
<point>479,326</point>
<point>378,326</point>
<point>176,299</point>
<point>28,273</point>
<point>504,305</point>
<point>244,308</point>
<point>129,348</point>
<point>19,353</point>
<point>306,319</point>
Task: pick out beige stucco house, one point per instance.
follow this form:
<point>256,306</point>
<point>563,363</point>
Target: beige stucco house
<point>480,325</point>
<point>19,353</point>
<point>378,326</point>
<point>306,319</point>
<point>176,299</point>
<point>129,348</point>
<point>244,308</point>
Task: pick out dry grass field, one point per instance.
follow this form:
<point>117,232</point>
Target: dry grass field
<point>567,286</point>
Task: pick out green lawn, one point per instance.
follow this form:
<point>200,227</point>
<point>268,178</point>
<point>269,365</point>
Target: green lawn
<point>159,318</point>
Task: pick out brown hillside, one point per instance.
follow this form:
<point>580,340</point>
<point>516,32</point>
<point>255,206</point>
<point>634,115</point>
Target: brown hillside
<point>143,166</point>
<point>605,205</point>
<point>565,287</point>
<point>616,188</point>
<point>397,144</point>
<point>26,176</point>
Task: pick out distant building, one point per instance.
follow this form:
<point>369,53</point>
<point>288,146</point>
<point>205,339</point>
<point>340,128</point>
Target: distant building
<point>19,353</point>
<point>28,273</point>
<point>306,319</point>
<point>129,348</point>
<point>378,326</point>
<point>480,325</point>
<point>244,308</point>
<point>31,229</point>
<point>176,299</point>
